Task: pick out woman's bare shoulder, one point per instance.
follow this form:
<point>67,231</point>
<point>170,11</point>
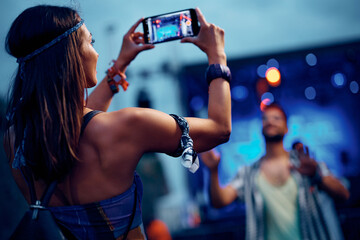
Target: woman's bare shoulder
<point>134,117</point>
<point>108,125</point>
<point>117,120</point>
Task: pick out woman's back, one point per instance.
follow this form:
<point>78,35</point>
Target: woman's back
<point>93,201</point>
<point>47,105</point>
<point>105,169</point>
<point>107,160</point>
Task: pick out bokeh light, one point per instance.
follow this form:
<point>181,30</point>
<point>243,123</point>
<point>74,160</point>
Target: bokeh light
<point>264,103</point>
<point>262,86</point>
<point>273,76</point>
<point>261,70</point>
<point>239,93</point>
<point>354,87</point>
<point>311,59</point>
<point>338,80</point>
<point>310,93</point>
<point>197,103</point>
<point>272,63</point>
<point>268,95</point>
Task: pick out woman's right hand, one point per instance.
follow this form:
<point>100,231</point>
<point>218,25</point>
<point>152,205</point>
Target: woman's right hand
<point>210,40</point>
<point>133,43</point>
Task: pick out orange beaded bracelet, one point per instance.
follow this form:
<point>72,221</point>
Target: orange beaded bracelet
<point>115,79</point>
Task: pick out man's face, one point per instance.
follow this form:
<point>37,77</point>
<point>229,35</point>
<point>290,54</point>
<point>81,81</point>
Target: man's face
<point>274,125</point>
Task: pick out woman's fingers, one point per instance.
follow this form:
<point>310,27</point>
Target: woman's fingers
<point>132,29</point>
<point>201,17</point>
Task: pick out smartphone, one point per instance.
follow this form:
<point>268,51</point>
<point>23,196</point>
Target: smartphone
<point>170,26</point>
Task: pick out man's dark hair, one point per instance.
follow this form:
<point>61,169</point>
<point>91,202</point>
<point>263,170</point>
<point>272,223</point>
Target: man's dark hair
<point>276,106</point>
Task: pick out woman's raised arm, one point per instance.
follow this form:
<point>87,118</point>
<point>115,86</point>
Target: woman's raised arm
<point>208,133</point>
<point>156,131</point>
<point>132,45</point>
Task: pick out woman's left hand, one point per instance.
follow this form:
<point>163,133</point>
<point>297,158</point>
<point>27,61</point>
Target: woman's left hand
<point>133,43</point>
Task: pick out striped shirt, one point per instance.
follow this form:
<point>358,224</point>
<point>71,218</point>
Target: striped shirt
<point>312,223</point>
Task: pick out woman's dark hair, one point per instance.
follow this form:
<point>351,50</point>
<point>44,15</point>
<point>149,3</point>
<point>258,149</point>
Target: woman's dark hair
<point>49,101</point>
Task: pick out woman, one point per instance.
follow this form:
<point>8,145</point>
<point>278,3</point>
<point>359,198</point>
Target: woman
<point>95,164</point>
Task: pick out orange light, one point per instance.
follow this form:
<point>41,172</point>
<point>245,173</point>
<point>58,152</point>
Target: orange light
<point>186,17</point>
<point>273,76</point>
<point>188,23</point>
<point>264,103</point>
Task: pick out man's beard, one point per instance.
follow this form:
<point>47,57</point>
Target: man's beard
<point>274,138</point>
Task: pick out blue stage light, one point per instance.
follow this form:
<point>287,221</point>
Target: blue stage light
<point>311,59</point>
<point>310,93</point>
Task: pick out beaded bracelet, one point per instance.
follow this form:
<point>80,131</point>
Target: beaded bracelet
<point>113,86</point>
<point>115,79</point>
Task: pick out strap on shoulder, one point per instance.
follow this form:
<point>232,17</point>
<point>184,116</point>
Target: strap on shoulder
<point>87,118</point>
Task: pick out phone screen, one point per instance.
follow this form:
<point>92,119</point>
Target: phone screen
<point>170,26</point>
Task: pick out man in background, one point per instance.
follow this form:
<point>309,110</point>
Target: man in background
<point>280,190</point>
